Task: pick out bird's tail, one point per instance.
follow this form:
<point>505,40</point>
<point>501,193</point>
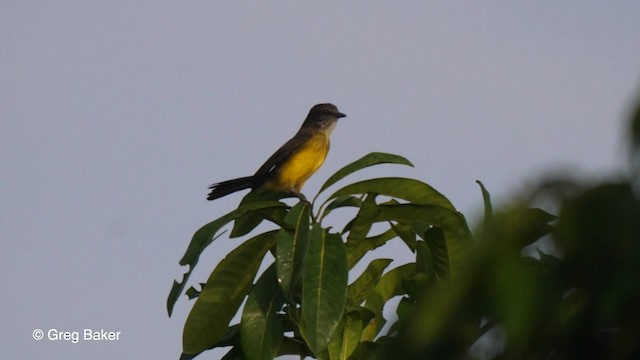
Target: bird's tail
<point>225,188</point>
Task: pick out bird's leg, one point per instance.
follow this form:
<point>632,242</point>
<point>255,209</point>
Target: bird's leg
<point>302,198</point>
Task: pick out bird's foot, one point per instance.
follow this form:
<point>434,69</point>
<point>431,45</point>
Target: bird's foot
<point>303,198</point>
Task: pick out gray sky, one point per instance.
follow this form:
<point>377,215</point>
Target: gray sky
<point>116,116</point>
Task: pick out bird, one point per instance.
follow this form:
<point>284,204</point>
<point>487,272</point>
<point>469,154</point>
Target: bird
<point>294,162</point>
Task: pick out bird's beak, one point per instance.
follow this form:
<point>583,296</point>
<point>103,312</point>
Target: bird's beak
<point>340,115</point>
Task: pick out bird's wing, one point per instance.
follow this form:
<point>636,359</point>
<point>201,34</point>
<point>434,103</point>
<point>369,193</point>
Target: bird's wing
<point>279,157</point>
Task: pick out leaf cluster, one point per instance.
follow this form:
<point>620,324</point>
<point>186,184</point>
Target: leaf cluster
<point>517,302</point>
<point>304,303</point>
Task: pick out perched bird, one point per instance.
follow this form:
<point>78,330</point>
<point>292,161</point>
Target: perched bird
<point>292,165</point>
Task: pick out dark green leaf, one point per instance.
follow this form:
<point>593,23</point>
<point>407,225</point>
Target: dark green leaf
<point>523,226</point>
<point>488,209</point>
<point>223,293</point>
<point>411,190</point>
<point>405,309</point>
<point>293,346</point>
<point>355,253</point>
<point>292,247</point>
<point>423,260</point>
<point>367,350</point>
<point>234,354</point>
<point>248,221</point>
<point>260,328</point>
<point>360,289</point>
<point>448,220</point>
<point>205,236</point>
<point>390,285</point>
<point>342,201</point>
<point>192,293</point>
<point>370,159</point>
<point>456,232</point>
<point>439,248</point>
<point>324,287</point>
<point>347,336</point>
<point>420,228</point>
<point>416,286</point>
<point>347,227</point>
<point>406,233</point>
<point>230,338</point>
<point>363,221</point>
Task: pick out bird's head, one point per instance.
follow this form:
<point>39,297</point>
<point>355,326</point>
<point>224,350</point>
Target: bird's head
<point>323,116</point>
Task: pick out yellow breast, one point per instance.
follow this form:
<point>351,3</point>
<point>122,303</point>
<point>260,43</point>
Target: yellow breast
<point>300,166</point>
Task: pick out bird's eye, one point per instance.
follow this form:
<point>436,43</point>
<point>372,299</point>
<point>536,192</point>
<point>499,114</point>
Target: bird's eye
<point>326,112</point>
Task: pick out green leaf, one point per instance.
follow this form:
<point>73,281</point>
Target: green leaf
<point>423,259</point>
<point>205,236</point>
<point>368,350</point>
<point>332,351</point>
<point>523,226</point>
<point>347,336</point>
<point>324,287</point>
<point>360,289</point>
<point>291,346</point>
<point>248,221</point>
<point>234,354</point>
<point>370,159</point>
<point>390,285</point>
<point>193,293</point>
<point>417,285</point>
<point>223,293</point>
<point>230,338</point>
<point>488,208</point>
<point>357,243</point>
<point>406,308</point>
<point>292,247</point>
<point>260,328</point>
<point>411,190</point>
<point>355,253</point>
<point>456,232</point>
<point>362,222</point>
<point>406,233</point>
<point>450,221</point>
<point>340,202</point>
<point>439,248</point>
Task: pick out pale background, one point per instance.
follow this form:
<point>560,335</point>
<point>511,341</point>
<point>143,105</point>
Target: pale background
<point>115,116</point>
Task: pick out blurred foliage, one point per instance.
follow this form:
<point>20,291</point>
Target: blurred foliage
<point>487,294</point>
<point>577,303</point>
<point>514,301</point>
